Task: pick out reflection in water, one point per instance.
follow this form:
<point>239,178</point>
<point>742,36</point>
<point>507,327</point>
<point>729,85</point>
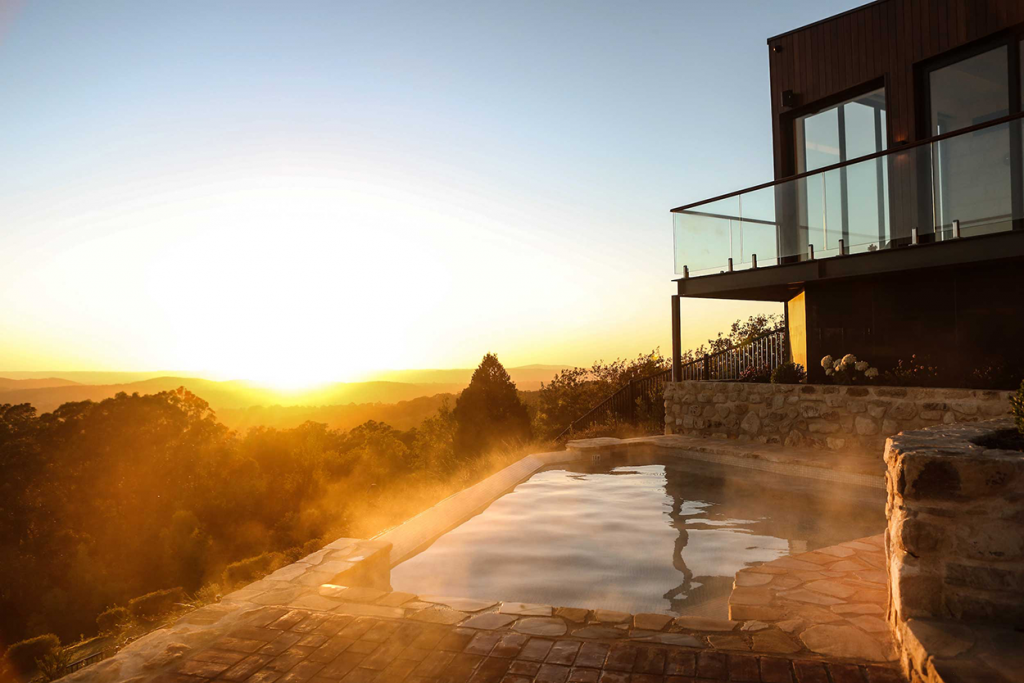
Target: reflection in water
<point>637,536</point>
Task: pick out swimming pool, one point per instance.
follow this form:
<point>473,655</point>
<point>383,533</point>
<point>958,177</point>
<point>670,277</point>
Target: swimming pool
<point>637,534</point>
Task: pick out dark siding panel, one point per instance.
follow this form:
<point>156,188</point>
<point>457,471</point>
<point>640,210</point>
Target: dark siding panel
<point>881,39</point>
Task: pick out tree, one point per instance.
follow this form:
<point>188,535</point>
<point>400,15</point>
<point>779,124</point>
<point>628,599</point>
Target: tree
<point>489,411</point>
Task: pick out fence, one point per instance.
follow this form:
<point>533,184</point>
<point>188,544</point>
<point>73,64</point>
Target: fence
<point>642,400</point>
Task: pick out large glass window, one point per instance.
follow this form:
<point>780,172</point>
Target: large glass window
<point>971,174</point>
<point>969,92</point>
<point>842,132</point>
<point>850,202</point>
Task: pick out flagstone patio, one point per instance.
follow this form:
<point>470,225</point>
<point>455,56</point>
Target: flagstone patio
<point>794,620</point>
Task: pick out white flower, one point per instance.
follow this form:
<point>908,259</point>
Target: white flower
<point>849,359</point>
<point>838,365</point>
<point>828,372</point>
<point>861,366</point>
<point>871,372</point>
<point>826,362</point>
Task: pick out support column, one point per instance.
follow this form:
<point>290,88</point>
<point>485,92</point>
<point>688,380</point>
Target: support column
<point>677,341</point>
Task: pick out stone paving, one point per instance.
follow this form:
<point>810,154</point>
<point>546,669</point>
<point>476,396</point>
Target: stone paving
<point>509,645</point>
<point>831,601</point>
<point>287,629</point>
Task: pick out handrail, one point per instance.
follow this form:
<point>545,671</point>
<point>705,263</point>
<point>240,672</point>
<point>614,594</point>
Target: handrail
<point>867,157</point>
<point>704,362</point>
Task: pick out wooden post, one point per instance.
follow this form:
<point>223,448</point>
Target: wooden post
<point>677,342</point>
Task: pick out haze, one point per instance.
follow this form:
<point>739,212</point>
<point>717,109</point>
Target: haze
<point>302,192</point>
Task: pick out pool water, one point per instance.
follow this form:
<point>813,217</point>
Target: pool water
<point>637,535</point>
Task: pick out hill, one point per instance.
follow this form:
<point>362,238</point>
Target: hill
<point>9,384</point>
<point>48,390</point>
<point>228,395</point>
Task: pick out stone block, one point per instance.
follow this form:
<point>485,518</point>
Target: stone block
<point>877,409</point>
<point>994,408</point>
<point>810,409</point>
<point>987,578</point>
<point>865,425</point>
<point>920,537</point>
<point>964,407</point>
<point>751,424</point>
<point>915,593</point>
<point>835,443</point>
<point>822,427</point>
<point>993,540</point>
<point>902,410</point>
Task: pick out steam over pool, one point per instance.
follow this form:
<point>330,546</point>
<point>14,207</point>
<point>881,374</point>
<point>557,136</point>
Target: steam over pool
<point>637,536</point>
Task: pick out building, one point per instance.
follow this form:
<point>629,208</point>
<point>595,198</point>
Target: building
<point>894,224</point>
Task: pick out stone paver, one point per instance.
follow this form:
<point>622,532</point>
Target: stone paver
<point>835,609</point>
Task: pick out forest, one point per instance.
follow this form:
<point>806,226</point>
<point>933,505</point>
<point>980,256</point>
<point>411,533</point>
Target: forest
<point>102,502</point>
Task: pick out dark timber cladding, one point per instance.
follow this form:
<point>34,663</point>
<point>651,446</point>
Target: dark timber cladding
<point>877,43</point>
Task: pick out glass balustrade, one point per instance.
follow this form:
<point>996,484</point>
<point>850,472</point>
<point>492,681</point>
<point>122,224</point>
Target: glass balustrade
<point>972,179</point>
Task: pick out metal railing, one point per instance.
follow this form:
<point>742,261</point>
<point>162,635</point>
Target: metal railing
<point>767,351</point>
<point>963,183</point>
<point>86,661</point>
<point>644,397</point>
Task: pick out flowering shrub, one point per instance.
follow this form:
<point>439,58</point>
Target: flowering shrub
<point>756,373</point>
<point>848,370</point>
<point>913,373</point>
<point>789,373</point>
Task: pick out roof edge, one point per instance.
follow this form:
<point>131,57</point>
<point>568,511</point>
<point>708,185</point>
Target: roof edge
<point>826,19</point>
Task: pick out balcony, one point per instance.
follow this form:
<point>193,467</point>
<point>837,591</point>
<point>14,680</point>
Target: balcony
<point>963,184</point>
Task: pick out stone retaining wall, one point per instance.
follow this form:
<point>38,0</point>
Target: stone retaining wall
<point>820,416</point>
<point>954,546</point>
<point>955,526</point>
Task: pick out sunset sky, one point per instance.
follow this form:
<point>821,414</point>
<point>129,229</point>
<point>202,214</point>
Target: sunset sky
<point>294,191</point>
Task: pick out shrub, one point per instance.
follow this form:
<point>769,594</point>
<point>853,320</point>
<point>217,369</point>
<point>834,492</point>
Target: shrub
<point>54,664</point>
<point>152,605</point>
<point>789,373</point>
<point>913,373</point>
<point>112,619</point>
<point>756,373</point>
<point>248,570</point>
<point>848,370</point>
<point>22,656</point>
<point>996,372</point>
<point>1017,408</point>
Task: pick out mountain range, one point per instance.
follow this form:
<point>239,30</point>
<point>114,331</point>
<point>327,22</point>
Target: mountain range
<point>48,390</point>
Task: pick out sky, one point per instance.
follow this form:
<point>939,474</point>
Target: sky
<point>295,192</point>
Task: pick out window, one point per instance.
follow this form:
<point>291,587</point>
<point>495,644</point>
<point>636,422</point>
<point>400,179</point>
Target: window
<point>970,92</point>
<point>972,175</point>
<point>845,131</point>
<point>849,203</point>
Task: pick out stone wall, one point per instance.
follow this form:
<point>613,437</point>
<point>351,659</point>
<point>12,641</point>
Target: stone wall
<point>954,548</point>
<point>857,418</point>
<point>955,536</point>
